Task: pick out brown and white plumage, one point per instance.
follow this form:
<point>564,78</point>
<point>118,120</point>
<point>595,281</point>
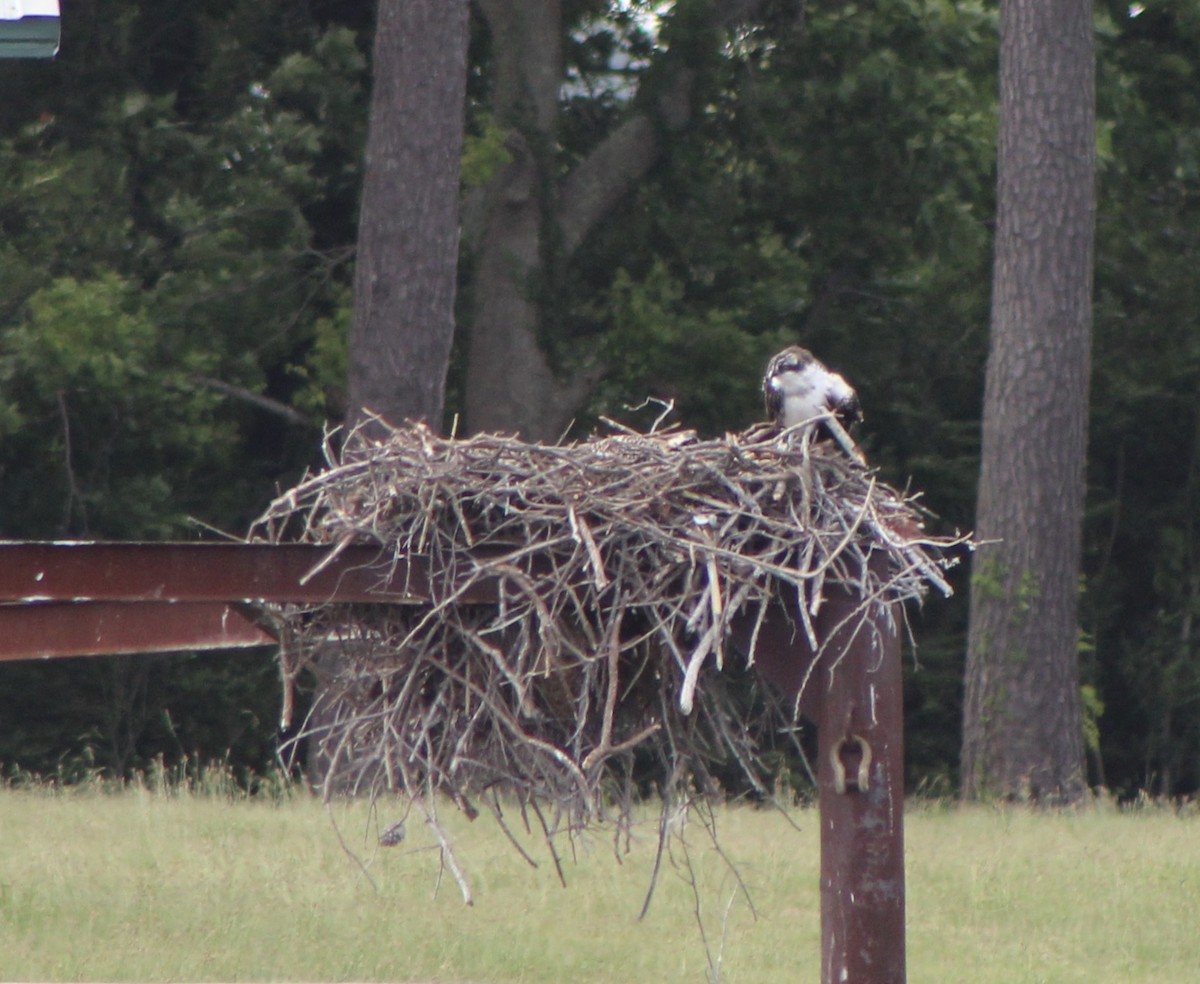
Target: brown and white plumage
<point>799,389</point>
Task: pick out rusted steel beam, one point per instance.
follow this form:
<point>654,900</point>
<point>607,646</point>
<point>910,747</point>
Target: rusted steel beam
<point>85,598</point>
<point>72,571</point>
<point>51,630</point>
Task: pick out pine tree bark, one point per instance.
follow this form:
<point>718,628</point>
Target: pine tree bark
<point>1022,734</point>
<point>407,259</point>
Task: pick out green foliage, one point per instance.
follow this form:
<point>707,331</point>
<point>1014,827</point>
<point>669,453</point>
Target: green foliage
<point>323,372</point>
<point>1143,546</point>
<point>484,153</point>
<point>100,415</point>
<point>652,328</point>
<point>178,215</point>
<point>1093,709</point>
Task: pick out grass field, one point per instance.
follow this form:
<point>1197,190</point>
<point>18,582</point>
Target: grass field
<point>151,886</point>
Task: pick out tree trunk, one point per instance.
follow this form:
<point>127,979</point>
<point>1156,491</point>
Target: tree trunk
<point>510,385</point>
<point>407,261</point>
<point>1022,734</point>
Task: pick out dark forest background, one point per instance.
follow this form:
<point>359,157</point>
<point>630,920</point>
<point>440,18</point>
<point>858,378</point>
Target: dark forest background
<point>179,194</point>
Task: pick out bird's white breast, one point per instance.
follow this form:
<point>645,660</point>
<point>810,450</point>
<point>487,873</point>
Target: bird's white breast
<point>809,392</point>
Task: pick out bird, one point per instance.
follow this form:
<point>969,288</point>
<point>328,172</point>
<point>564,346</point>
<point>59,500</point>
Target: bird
<point>799,389</point>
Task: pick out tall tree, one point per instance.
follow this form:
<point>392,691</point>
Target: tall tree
<point>1022,734</point>
<point>534,214</point>
<point>407,260</point>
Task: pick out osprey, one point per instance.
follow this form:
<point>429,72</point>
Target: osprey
<point>800,389</point>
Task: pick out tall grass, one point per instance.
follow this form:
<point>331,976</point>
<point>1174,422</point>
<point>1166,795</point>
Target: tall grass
<point>155,883</point>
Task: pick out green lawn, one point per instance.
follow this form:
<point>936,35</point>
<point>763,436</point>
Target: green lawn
<point>143,886</point>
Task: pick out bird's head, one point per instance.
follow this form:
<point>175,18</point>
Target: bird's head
<point>792,359</point>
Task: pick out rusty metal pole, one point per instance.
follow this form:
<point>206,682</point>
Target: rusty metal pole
<point>860,732</point>
<point>854,696</point>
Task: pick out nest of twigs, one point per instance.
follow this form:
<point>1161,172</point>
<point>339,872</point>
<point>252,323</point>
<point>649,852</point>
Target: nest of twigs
<point>622,563</point>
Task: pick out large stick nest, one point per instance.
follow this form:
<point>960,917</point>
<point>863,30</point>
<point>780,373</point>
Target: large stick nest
<point>622,563</point>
